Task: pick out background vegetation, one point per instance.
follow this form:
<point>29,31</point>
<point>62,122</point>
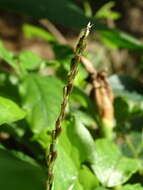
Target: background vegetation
<point>101,143</point>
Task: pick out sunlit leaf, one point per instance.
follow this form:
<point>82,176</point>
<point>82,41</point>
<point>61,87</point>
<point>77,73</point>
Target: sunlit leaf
<point>41,98</point>
<point>87,178</point>
<point>132,187</point>
<point>9,111</point>
<point>65,165</point>
<point>110,166</point>
<point>121,39</point>
<point>29,60</point>
<point>34,31</point>
<point>106,11</point>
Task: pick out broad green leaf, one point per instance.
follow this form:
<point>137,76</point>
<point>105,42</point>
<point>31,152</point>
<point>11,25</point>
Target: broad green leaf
<point>100,188</point>
<point>29,61</point>
<point>68,145</point>
<point>127,87</point>
<point>65,172</point>
<point>41,97</point>
<point>87,178</point>
<point>133,147</point>
<point>132,187</point>
<point>19,174</point>
<point>86,119</point>
<point>121,39</point>
<point>82,140</point>
<point>70,158</point>
<point>34,31</point>
<point>9,111</point>
<point>77,142</point>
<point>110,166</point>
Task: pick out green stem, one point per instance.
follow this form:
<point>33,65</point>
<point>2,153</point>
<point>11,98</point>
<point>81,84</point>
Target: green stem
<point>107,129</point>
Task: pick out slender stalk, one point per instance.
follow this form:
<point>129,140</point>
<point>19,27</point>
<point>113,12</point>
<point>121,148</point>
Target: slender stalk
<point>66,93</point>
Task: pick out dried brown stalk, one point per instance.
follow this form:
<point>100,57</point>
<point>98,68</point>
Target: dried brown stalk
<point>51,28</point>
<point>103,96</point>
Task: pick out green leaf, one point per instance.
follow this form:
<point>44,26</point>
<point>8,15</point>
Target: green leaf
<point>18,174</point>
<point>82,140</point>
<point>133,145</point>
<point>78,144</point>
<point>127,87</point>
<point>132,187</point>
<point>100,188</point>
<point>106,11</point>
<point>29,61</point>
<point>78,96</point>
<point>65,165</point>
<point>87,178</point>
<point>110,166</point>
<point>34,31</point>
<point>86,119</point>
<point>20,155</point>
<point>67,144</point>
<point>9,111</point>
<point>41,98</point>
<point>121,39</point>
<point>80,77</point>
<point>70,158</point>
<point>87,8</point>
<point>121,109</point>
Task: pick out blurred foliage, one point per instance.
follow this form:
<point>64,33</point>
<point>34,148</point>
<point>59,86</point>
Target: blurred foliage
<point>30,98</point>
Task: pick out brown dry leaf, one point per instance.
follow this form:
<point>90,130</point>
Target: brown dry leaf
<point>102,91</point>
<point>103,96</point>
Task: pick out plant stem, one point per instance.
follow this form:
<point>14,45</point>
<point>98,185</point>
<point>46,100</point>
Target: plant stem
<point>107,129</point>
<point>66,93</point>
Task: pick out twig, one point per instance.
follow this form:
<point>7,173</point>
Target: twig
<point>88,65</point>
<point>66,93</point>
<point>48,25</point>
